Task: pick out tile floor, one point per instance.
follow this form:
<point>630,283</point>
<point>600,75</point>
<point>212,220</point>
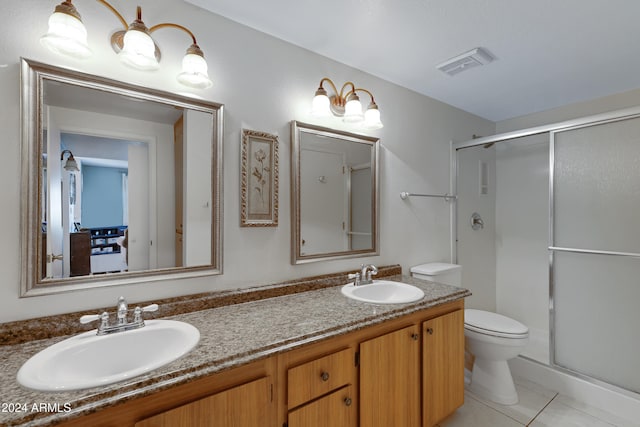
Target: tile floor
<point>538,407</point>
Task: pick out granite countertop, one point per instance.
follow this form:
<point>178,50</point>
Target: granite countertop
<point>230,336</point>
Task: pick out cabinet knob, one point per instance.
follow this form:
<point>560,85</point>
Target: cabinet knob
<point>415,337</point>
<point>430,331</point>
<point>324,376</point>
<point>347,401</point>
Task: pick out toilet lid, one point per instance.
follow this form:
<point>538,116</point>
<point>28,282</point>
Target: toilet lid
<point>486,322</point>
<point>434,268</point>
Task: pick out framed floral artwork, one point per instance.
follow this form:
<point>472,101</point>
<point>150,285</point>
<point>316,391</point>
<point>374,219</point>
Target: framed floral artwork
<point>259,179</point>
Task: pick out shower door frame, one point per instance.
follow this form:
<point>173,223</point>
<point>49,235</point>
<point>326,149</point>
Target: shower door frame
<point>551,129</point>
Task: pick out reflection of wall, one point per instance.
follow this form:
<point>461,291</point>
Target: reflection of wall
<point>197,184</point>
<point>101,196</point>
<point>140,252</point>
<point>414,147</point>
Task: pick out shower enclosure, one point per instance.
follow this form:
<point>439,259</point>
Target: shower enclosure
<point>560,246</point>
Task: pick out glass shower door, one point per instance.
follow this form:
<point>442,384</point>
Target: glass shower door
<point>595,251</point>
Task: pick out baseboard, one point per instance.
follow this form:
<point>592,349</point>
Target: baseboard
<point>622,403</point>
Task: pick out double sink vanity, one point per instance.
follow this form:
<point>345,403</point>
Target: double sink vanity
<point>298,354</point>
<point>335,350</point>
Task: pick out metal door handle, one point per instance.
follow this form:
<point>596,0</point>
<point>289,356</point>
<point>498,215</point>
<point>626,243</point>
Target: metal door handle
<point>53,257</point>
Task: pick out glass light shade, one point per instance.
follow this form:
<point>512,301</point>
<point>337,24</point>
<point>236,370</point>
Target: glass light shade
<point>138,51</point>
<point>71,165</point>
<point>194,72</point>
<point>321,105</point>
<point>67,36</point>
<point>353,110</point>
<point>372,118</point>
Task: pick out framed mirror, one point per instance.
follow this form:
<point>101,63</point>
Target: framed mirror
<point>122,184</point>
<point>334,179</point>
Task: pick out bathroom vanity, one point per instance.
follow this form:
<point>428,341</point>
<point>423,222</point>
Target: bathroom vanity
<point>313,358</point>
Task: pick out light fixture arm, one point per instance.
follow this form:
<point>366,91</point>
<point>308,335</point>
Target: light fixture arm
<point>340,97</point>
<point>171,25</point>
<point>115,12</point>
<point>327,79</point>
<point>63,153</point>
<point>345,104</point>
<point>133,44</point>
<point>365,91</point>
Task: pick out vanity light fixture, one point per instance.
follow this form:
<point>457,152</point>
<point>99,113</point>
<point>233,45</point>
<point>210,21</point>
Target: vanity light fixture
<point>134,45</point>
<point>345,104</point>
<point>70,165</point>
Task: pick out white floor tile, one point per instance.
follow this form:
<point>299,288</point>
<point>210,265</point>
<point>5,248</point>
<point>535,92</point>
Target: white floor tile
<point>477,414</point>
<point>558,414</point>
<point>535,387</point>
<point>598,413</point>
<point>532,399</point>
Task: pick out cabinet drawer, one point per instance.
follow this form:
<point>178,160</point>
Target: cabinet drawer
<point>338,409</point>
<point>320,376</point>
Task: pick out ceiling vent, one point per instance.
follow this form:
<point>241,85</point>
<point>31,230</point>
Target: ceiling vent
<point>465,61</point>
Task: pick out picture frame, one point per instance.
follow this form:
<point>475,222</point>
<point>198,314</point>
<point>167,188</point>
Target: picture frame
<point>259,179</point>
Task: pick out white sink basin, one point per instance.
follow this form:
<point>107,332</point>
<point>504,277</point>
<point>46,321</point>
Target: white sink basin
<point>88,360</point>
<point>383,292</point>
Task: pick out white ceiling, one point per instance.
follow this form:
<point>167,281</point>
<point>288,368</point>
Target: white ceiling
<point>548,52</point>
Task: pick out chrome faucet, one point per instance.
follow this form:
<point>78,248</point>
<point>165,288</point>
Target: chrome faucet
<point>366,272</point>
<point>121,324</point>
<point>122,311</point>
<point>364,276</point>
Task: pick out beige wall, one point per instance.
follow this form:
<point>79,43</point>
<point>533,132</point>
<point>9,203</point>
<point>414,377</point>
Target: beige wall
<point>572,111</point>
<point>264,83</point>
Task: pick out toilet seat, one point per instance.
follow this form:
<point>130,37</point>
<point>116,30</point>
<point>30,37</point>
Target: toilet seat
<point>493,324</point>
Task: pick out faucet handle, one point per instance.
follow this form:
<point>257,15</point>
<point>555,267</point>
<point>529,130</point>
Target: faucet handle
<point>137,313</point>
<point>373,271</point>
<point>150,308</point>
<point>88,318</point>
<point>104,319</point>
<point>356,278</point>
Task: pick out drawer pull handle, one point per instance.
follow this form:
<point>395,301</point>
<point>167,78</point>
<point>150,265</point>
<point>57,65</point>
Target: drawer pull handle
<point>324,376</point>
<point>347,401</point>
<point>415,337</point>
<point>430,331</point>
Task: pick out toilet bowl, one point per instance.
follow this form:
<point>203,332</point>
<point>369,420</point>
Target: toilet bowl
<point>493,339</point>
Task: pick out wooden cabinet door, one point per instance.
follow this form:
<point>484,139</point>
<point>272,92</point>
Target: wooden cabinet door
<point>390,379</point>
<point>248,405</point>
<point>338,409</point>
<point>443,366</point>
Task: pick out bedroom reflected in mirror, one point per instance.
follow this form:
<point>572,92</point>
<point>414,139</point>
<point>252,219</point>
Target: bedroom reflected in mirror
<point>335,194</point>
<point>122,182</point>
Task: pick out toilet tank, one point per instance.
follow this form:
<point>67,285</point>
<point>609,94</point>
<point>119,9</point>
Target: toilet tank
<point>449,274</point>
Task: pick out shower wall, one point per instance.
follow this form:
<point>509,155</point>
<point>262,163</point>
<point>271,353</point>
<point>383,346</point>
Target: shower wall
<point>476,249</point>
<point>506,263</point>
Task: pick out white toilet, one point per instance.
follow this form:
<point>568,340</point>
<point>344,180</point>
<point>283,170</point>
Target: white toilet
<point>492,338</point>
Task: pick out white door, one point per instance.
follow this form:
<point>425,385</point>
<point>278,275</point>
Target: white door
<point>139,242</point>
<point>54,200</point>
<point>322,202</point>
